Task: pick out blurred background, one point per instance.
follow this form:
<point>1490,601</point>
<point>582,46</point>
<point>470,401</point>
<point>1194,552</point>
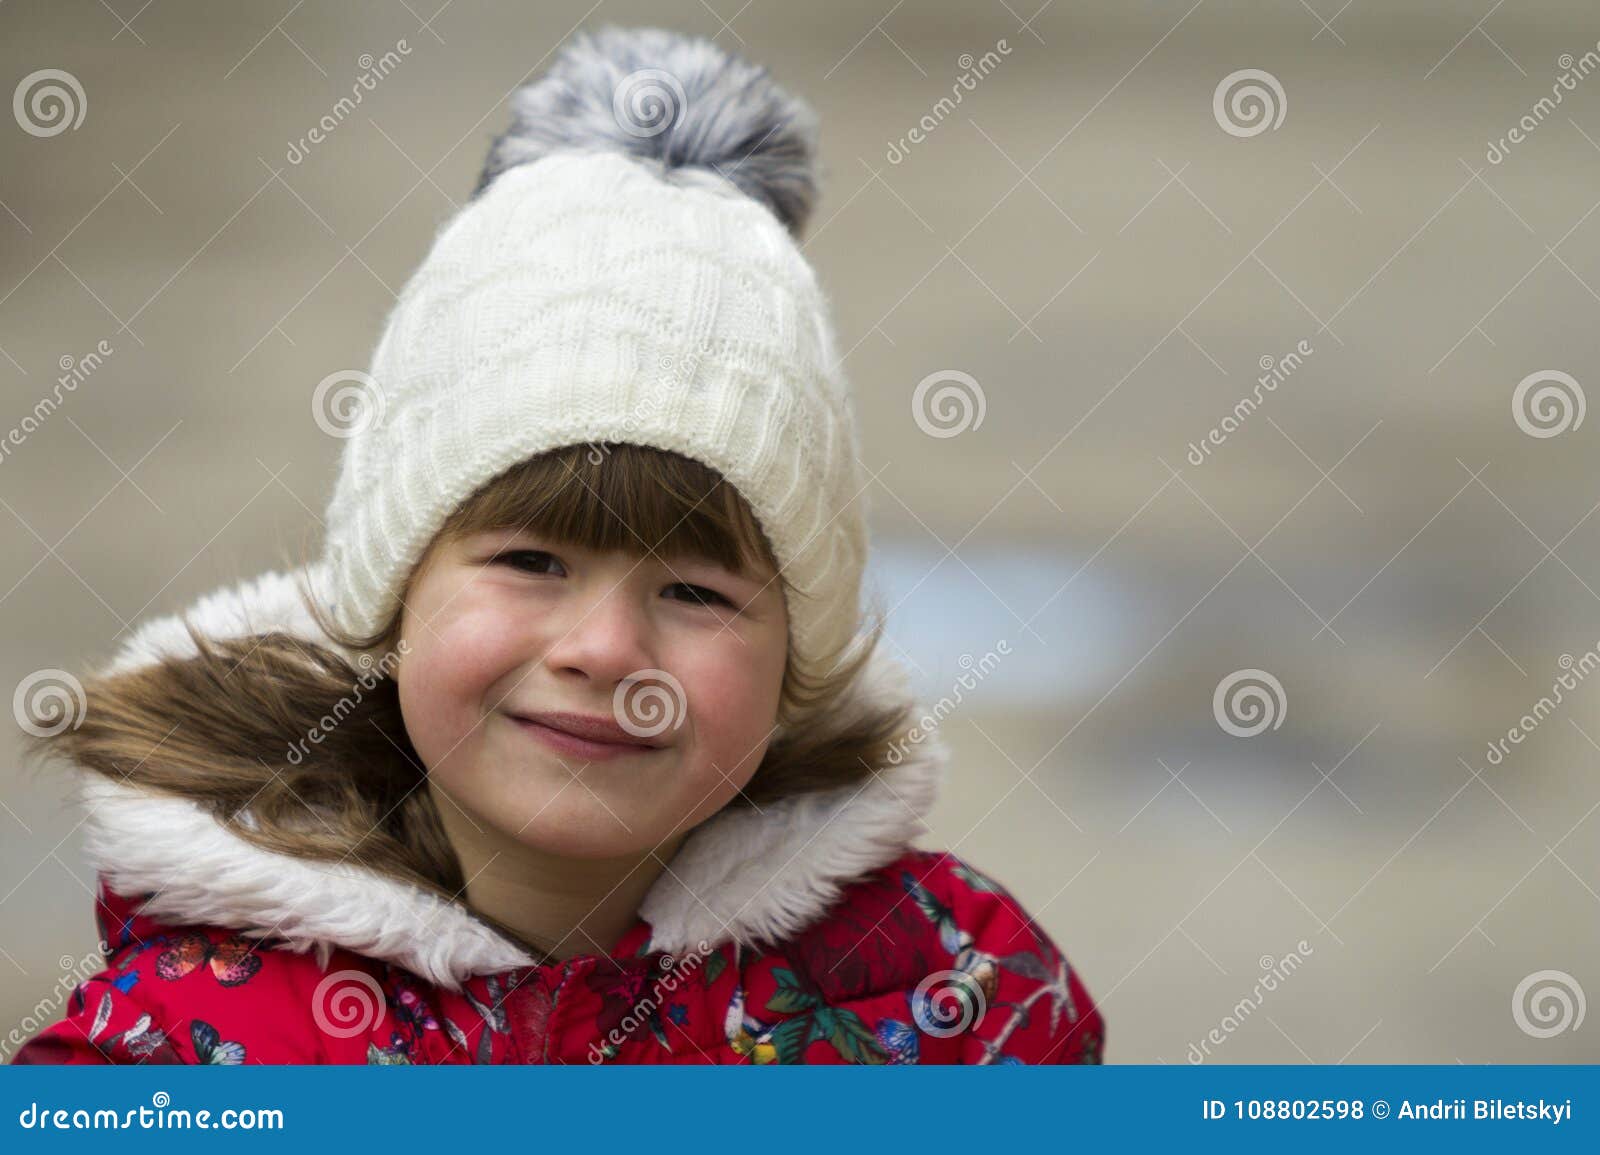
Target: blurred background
<point>1261,636</point>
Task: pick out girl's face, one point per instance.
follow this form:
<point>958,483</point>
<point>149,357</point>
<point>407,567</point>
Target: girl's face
<point>502,628</point>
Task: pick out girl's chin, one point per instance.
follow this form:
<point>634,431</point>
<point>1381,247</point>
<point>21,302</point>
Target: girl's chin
<point>591,845</point>
<point>584,823</point>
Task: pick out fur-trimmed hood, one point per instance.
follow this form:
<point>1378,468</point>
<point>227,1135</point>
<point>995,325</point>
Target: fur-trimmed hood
<point>758,876</point>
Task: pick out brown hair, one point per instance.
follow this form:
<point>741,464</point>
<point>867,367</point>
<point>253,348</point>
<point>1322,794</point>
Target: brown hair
<point>216,727</point>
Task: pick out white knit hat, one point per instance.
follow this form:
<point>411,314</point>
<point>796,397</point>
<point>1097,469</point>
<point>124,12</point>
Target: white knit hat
<point>627,272</point>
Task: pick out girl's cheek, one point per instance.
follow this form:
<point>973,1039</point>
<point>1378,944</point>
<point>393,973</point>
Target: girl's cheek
<point>733,697</point>
<point>425,709</point>
<point>473,640</point>
<point>444,682</point>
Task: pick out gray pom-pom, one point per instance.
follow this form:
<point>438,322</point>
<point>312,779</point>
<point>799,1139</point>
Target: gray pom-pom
<point>677,100</point>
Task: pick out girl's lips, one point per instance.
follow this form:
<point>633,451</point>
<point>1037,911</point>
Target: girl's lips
<point>590,749</point>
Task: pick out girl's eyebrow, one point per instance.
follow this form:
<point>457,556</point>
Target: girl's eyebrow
<point>703,561</point>
<point>501,537</point>
<point>748,575</point>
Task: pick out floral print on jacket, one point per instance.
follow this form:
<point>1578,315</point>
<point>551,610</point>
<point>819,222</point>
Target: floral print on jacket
<point>924,960</point>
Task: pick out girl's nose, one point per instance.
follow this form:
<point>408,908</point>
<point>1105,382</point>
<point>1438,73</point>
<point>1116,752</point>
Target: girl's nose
<point>605,639</point>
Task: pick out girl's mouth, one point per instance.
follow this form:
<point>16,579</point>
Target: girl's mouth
<point>577,746</point>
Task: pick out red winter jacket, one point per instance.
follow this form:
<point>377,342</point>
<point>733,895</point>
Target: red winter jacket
<point>809,932</point>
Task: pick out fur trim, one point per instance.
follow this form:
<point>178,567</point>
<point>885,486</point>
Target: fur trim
<point>754,876</point>
<point>203,874</point>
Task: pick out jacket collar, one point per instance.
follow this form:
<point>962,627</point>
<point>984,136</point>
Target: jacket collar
<point>754,876</point>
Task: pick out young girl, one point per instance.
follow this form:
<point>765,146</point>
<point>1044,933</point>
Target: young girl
<point>574,745</point>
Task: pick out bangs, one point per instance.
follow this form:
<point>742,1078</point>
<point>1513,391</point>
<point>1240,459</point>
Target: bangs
<point>620,496</point>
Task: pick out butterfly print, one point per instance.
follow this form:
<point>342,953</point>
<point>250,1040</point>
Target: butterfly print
<point>233,960</point>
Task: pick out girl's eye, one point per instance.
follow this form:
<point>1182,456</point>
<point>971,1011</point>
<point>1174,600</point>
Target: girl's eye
<point>526,560</point>
<point>535,561</point>
<point>701,595</point>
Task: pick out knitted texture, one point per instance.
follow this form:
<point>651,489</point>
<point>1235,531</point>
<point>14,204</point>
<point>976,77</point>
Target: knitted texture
<point>594,296</point>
